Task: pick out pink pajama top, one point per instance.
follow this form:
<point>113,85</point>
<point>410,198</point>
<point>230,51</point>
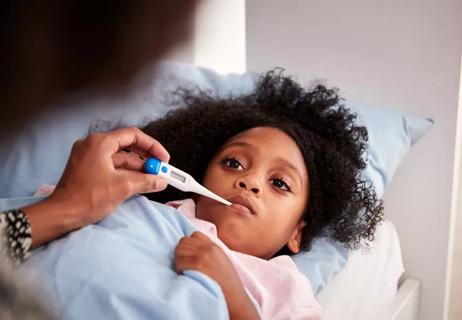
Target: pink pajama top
<point>276,286</point>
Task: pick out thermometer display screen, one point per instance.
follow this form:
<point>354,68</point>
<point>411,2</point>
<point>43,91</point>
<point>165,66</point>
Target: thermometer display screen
<point>177,176</point>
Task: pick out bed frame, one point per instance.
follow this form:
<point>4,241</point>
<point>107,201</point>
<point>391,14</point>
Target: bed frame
<point>405,304</point>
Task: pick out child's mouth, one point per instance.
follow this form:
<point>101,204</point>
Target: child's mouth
<point>241,209</point>
<point>242,205</point>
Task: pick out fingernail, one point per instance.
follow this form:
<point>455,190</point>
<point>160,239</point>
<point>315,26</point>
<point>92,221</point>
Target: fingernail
<point>160,184</point>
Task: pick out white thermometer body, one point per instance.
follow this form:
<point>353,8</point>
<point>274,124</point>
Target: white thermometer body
<point>179,179</point>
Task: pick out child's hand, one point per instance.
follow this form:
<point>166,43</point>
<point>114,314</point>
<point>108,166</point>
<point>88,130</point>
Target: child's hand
<point>198,252</point>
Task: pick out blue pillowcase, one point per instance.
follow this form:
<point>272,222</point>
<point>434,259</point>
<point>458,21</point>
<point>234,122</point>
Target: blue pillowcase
<point>391,135</point>
<point>38,154</point>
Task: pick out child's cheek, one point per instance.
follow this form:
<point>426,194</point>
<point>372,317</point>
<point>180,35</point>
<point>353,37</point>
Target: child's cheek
<point>214,179</point>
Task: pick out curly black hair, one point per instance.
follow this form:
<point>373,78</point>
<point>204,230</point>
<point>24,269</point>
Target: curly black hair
<point>333,146</point>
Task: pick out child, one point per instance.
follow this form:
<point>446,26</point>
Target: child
<point>289,160</point>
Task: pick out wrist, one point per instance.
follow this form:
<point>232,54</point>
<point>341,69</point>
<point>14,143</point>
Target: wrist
<point>240,306</point>
<point>53,218</point>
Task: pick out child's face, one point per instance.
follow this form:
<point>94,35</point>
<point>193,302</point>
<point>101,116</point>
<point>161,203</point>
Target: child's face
<point>262,171</point>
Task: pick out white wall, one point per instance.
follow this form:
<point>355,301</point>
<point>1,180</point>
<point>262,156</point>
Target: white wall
<point>399,53</point>
<point>220,35</point>
<point>218,39</point>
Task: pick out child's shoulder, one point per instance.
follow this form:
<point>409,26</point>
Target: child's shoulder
<point>284,261</point>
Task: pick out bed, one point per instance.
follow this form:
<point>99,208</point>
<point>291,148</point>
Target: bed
<point>349,284</point>
<point>372,285</point>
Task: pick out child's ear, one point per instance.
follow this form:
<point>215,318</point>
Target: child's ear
<point>295,240</point>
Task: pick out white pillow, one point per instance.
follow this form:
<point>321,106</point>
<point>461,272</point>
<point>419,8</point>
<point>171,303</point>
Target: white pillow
<point>368,282</point>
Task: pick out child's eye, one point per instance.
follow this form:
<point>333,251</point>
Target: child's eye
<point>279,183</point>
<point>233,163</point>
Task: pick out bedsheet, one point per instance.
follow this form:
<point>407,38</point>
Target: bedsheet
<point>128,274</point>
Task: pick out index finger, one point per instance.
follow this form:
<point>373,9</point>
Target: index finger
<point>134,137</point>
<point>199,235</point>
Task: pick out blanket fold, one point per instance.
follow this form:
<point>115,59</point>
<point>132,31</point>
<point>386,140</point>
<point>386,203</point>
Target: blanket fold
<point>128,272</point>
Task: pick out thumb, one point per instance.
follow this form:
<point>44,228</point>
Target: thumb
<point>143,182</point>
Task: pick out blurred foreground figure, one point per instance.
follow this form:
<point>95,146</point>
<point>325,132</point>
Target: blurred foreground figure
<point>52,48</point>
<point>16,299</point>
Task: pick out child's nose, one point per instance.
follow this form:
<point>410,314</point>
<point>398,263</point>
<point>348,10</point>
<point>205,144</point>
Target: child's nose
<point>254,189</point>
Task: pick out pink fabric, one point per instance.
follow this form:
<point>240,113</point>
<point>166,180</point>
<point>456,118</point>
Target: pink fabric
<point>44,189</point>
<point>280,290</point>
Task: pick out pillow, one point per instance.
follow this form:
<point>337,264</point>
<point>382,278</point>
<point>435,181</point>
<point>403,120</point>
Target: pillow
<point>326,258</point>
<point>391,135</point>
<point>369,281</point>
<point>38,154</point>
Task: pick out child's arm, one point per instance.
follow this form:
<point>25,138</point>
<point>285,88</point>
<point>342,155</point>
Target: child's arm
<point>199,253</point>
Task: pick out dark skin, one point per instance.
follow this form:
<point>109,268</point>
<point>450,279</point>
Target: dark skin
<point>199,253</point>
<point>265,167</point>
<point>98,177</point>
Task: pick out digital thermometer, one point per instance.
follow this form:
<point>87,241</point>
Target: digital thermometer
<point>179,179</point>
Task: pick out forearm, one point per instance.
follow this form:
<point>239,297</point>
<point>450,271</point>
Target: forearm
<point>51,219</point>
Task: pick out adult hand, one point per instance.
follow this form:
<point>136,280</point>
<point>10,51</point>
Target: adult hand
<point>100,174</point>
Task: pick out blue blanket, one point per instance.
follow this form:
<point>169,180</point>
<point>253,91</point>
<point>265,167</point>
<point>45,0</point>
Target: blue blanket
<point>121,268</point>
